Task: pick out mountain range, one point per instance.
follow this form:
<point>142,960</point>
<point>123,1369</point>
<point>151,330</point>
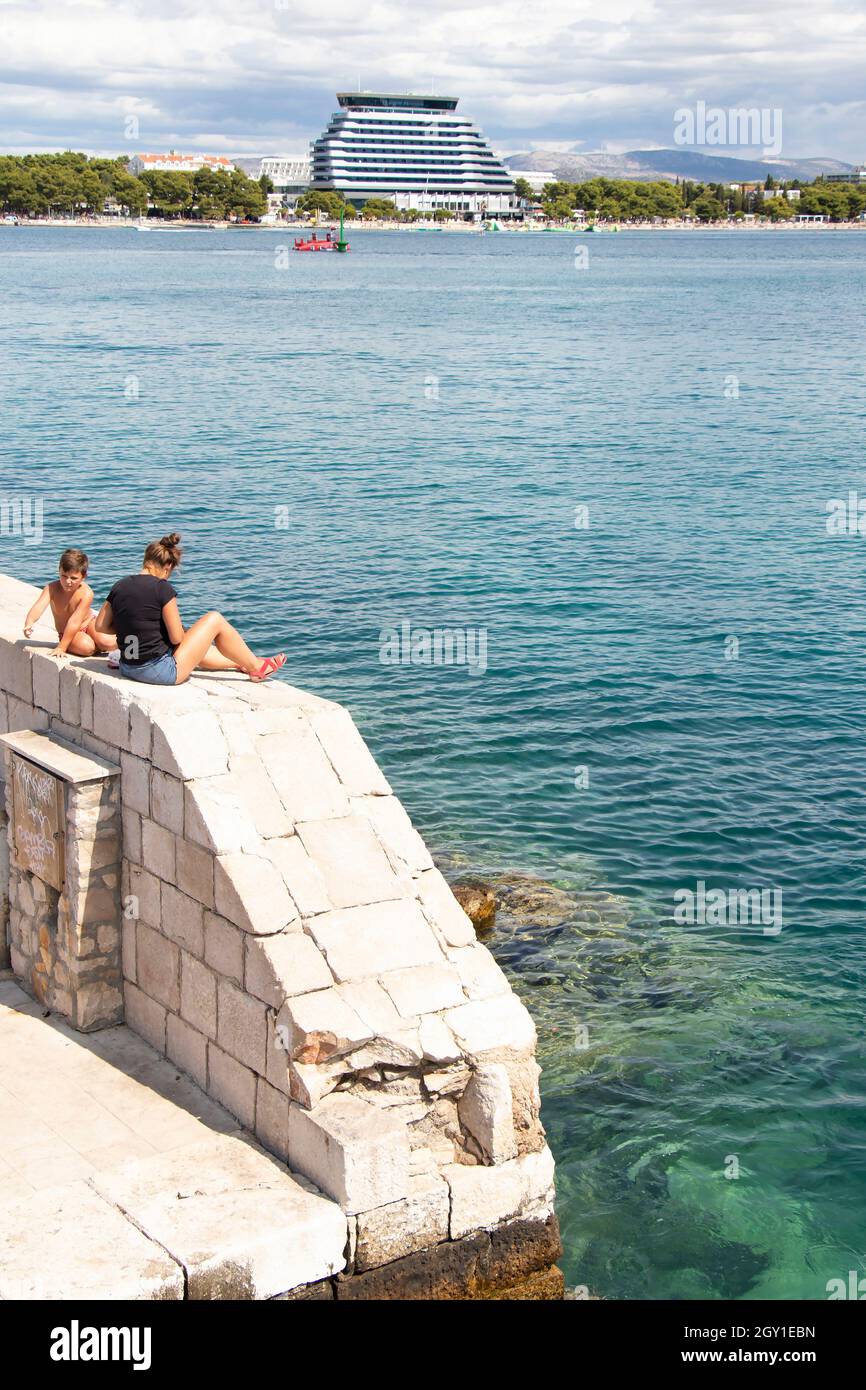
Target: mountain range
<point>656,165</point>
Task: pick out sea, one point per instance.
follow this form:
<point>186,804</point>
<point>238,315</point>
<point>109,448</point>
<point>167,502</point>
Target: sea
<point>571,522</point>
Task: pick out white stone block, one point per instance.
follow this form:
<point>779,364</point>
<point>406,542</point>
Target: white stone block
<point>484,1197</point>
<point>299,769</point>
<point>70,699</point>
<point>214,818</point>
<point>241,1026</point>
<point>442,908</point>
<point>157,849</point>
<point>194,869</point>
<point>249,892</point>
<point>396,833</point>
<point>480,975</point>
<point>198,996</point>
<point>232,1084</point>
<point>320,1026</point>
<point>437,1041</point>
<point>284,965</point>
<point>300,875</point>
<point>135,784</point>
<point>351,861</point>
<point>190,745</point>
<point>166,801</point>
<point>372,1005</point>
<point>354,1152</point>
<point>424,989</point>
<point>224,947</point>
<point>111,710</point>
<point>415,1223</point>
<point>486,1113</point>
<point>46,682</point>
<point>239,1225</point>
<point>256,794</point>
<point>490,1024</point>
<point>347,752</point>
<point>183,920</point>
<point>360,942</point>
<point>71,1240</point>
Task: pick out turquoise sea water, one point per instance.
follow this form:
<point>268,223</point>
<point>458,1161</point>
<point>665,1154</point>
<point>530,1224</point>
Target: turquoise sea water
<point>431,409</point>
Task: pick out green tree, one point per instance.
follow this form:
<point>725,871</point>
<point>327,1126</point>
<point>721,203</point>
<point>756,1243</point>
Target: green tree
<point>378,210</point>
<point>523,189</point>
<point>443,215</point>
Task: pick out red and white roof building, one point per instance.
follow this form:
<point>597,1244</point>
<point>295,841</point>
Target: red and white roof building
<point>180,163</point>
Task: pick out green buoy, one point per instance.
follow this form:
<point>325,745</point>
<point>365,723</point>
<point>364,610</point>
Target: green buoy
<point>341,244</point>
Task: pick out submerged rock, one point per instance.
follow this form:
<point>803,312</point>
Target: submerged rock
<point>478,901</point>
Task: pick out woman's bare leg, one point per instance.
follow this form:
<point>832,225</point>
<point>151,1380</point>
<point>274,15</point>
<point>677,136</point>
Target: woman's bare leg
<point>214,629</point>
<point>212,661</point>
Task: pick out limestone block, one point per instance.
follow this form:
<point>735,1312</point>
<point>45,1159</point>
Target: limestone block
<point>484,1197</point>
<point>140,730</point>
<point>353,1152</point>
<point>251,894</point>
<point>46,682</point>
<point>198,995</point>
<point>372,1005</point>
<point>135,783</point>
<point>190,745</point>
<point>490,1024</point>
<point>304,779</point>
<point>311,1082</point>
<point>351,861</point>
<point>300,875</point>
<point>239,1225</point>
<point>442,908</point>
<point>17,675</point>
<point>241,1026</point>
<point>187,1048</point>
<point>166,801</point>
<point>347,752</point>
<point>144,890</point>
<point>320,1026</point>
<point>132,836</point>
<point>214,818</point>
<point>158,849</point>
<point>158,962</point>
<point>194,870</point>
<point>360,942</point>
<point>224,947</point>
<point>111,698</point>
<point>396,833</point>
<point>418,1221</point>
<point>272,1119</point>
<point>284,965</point>
<point>486,1113</point>
<point>232,1084</point>
<point>424,989</point>
<point>71,1238</point>
<point>183,920</point>
<point>257,796</point>
<point>128,950</point>
<point>437,1041</point>
<point>479,973</point>
<point>144,1015</point>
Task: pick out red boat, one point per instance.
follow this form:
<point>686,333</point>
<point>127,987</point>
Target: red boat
<point>325,243</point>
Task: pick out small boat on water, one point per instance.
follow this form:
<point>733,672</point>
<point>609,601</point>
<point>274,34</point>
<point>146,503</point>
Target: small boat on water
<point>325,243</point>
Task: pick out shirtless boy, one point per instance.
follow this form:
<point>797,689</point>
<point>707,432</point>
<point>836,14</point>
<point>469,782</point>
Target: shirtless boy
<point>71,597</point>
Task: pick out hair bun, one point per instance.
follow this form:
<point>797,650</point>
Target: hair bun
<point>173,539</point>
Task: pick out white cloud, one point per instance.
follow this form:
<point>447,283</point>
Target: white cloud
<point>259,75</point>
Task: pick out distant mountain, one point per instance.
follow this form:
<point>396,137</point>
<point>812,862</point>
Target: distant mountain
<point>655,165</point>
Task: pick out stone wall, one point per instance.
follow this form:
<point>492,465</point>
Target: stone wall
<point>287,941</point>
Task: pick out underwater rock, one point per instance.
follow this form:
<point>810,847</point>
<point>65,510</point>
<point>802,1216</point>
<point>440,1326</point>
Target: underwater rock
<point>478,902</point>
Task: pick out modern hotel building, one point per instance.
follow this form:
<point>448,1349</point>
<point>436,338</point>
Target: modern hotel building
<point>413,150</point>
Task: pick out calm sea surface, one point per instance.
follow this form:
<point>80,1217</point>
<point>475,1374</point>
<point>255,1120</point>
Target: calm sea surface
<point>431,410</point>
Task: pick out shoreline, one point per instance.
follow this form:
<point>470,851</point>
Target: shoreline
<point>115,224</point>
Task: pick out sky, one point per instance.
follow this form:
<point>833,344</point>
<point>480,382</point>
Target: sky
<point>250,77</point>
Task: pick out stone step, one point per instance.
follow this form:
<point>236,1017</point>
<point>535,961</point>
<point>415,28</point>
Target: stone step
<point>216,1219</point>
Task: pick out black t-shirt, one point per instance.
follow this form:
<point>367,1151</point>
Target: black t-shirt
<point>136,606</point>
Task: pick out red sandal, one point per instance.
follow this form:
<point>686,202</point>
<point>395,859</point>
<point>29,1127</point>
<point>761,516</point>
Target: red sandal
<point>269,666</point>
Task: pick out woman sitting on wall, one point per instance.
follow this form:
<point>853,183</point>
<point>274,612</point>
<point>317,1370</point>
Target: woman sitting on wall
<point>142,612</point>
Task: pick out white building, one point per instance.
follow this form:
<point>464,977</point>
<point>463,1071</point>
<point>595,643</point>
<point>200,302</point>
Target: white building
<point>413,150</point>
<point>855,176</point>
<point>179,163</point>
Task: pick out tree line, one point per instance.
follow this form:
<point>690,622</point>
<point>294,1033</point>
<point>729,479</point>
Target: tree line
<point>68,184</point>
<point>623,200</point>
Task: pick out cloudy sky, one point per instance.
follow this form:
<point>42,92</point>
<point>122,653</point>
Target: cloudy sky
<point>259,76</point>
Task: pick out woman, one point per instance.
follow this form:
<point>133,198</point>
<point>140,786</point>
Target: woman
<point>142,612</point>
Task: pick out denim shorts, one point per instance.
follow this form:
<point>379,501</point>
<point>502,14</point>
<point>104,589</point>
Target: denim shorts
<point>162,670</point>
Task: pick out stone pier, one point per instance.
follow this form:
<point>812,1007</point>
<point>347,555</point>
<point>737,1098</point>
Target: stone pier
<point>223,869</point>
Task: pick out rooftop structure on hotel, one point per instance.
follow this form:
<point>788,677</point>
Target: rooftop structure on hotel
<point>414,150</point>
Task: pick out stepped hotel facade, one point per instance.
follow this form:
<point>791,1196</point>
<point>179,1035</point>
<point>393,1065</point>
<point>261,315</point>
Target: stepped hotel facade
<point>415,151</point>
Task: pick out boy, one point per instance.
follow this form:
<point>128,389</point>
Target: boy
<point>70,598</point>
